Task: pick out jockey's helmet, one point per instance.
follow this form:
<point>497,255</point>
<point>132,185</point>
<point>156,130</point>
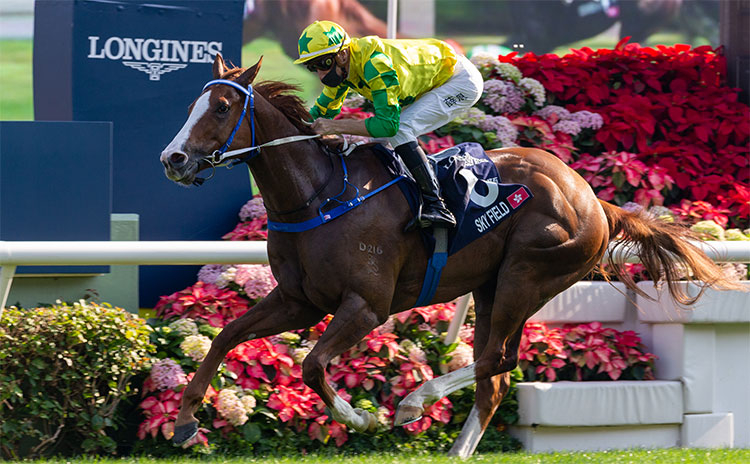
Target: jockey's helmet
<point>320,38</point>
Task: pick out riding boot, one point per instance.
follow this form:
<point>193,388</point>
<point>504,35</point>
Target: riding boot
<point>434,212</point>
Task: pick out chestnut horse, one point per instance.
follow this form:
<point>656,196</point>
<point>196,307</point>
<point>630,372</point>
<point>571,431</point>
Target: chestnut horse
<point>557,238</point>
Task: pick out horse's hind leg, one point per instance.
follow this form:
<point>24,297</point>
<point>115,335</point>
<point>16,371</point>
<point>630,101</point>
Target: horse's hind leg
<point>490,392</point>
<point>270,316</point>
<point>489,395</point>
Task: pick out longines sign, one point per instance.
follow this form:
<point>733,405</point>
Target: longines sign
<point>139,64</point>
<point>153,56</point>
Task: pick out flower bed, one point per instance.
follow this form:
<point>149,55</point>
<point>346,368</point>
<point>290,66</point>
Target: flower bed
<point>668,117</point>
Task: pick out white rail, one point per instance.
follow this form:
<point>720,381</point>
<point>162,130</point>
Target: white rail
<point>13,254</point>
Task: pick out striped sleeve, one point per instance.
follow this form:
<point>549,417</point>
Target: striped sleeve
<point>329,103</point>
<point>383,81</point>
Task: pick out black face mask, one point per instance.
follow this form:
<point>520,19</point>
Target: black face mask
<point>332,78</point>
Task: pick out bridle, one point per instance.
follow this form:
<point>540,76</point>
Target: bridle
<point>221,157</point>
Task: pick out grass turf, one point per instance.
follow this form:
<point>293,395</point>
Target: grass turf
<point>660,456</point>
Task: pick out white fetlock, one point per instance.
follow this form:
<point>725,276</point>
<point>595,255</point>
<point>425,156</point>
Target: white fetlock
<point>358,419</point>
<point>369,421</point>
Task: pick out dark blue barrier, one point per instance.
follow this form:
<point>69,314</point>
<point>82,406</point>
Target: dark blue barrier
<point>56,184</point>
<point>140,64</point>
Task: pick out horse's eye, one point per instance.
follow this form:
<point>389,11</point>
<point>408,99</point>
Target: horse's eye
<point>223,108</point>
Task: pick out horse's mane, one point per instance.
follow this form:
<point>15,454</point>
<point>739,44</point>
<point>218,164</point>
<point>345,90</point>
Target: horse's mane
<point>282,96</point>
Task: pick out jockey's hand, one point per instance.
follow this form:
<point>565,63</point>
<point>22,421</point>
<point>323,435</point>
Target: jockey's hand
<point>325,126</point>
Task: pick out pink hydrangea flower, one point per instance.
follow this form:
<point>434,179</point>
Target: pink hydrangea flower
<point>553,113</point>
<point>503,97</point>
<point>587,119</point>
<point>210,273</point>
<point>253,209</point>
<point>461,356</point>
<point>567,126</point>
<point>166,374</point>
<point>230,407</point>
<point>256,279</point>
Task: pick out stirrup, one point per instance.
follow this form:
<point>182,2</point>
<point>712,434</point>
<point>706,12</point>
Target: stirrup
<point>417,222</point>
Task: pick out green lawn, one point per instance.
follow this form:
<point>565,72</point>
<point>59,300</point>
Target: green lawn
<point>667,456</point>
<point>16,102</point>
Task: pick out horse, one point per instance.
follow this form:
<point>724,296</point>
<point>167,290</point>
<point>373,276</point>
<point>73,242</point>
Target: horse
<point>553,241</point>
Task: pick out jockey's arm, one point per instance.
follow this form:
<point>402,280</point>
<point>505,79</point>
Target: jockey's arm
<point>341,126</point>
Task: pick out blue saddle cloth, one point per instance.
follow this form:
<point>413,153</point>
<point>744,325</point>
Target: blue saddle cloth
<point>472,190</point>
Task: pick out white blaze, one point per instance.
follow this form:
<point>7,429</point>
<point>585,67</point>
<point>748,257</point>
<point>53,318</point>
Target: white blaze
<point>178,143</point>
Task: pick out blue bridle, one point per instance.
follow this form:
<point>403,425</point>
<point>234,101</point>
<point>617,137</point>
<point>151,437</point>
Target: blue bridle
<point>218,155</point>
<point>248,108</point>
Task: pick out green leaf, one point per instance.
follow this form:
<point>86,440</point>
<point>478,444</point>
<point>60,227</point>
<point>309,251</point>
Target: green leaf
<point>251,432</point>
<point>97,422</point>
<point>38,363</point>
<point>618,178</point>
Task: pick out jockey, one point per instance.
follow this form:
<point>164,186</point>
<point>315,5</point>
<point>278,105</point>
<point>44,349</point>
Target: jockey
<point>415,86</point>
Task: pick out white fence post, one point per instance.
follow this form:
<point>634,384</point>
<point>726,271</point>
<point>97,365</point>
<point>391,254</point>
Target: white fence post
<point>6,280</point>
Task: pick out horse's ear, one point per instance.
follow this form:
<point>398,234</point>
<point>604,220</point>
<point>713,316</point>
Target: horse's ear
<point>219,66</point>
<point>249,75</point>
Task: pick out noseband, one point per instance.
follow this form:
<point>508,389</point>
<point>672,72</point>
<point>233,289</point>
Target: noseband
<point>221,155</point>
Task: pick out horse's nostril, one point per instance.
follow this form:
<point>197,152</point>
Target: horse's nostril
<point>178,159</point>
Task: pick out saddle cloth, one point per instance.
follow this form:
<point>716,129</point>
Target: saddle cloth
<point>471,188</point>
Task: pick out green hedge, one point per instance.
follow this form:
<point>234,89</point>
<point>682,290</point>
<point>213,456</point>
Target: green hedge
<point>64,370</point>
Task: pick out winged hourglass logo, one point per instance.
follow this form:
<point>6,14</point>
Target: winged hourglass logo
<point>154,70</point>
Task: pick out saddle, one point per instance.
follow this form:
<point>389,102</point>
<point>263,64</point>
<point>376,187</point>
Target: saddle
<point>471,187</point>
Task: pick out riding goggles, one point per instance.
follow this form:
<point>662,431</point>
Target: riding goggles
<point>323,64</point>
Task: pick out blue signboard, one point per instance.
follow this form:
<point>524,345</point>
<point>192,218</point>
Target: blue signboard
<point>140,64</point>
<point>56,184</point>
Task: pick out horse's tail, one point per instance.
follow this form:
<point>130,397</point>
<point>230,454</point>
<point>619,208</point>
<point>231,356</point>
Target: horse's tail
<point>666,251</point>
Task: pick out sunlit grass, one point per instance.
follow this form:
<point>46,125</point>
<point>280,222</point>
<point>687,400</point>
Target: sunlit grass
<point>662,456</point>
<point>16,85</point>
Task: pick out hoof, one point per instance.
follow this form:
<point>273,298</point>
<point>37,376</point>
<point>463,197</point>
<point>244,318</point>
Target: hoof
<point>184,433</point>
<point>407,414</point>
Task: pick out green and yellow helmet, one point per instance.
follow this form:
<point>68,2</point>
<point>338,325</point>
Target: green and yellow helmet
<point>320,38</point>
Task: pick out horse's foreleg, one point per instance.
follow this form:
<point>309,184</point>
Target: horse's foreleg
<point>353,320</point>
<point>270,316</point>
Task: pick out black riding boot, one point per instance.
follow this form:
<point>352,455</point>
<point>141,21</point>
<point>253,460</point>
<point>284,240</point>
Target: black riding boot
<point>434,212</point>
